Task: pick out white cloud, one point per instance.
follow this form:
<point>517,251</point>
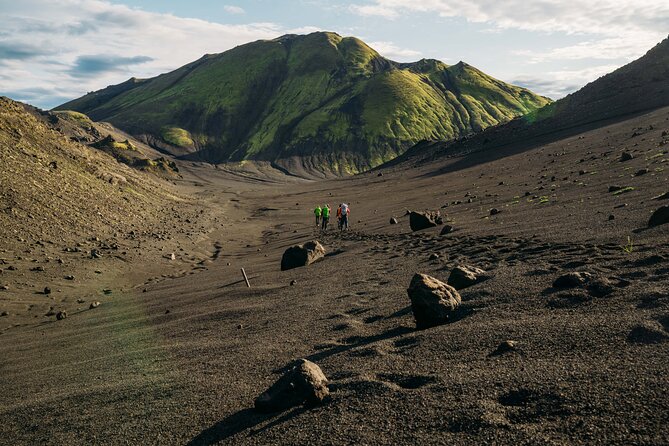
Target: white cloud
<point>69,47</point>
<point>557,84</point>
<point>392,51</point>
<point>624,28</point>
<point>231,9</point>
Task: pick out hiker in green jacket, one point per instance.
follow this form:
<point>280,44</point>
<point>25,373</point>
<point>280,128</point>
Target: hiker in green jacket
<point>317,213</point>
<point>325,213</point>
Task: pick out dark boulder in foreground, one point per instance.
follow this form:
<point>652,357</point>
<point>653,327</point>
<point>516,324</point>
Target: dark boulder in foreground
<point>424,220</point>
<point>659,217</point>
<point>304,383</point>
<point>302,255</point>
<point>463,276</point>
<point>432,301</point>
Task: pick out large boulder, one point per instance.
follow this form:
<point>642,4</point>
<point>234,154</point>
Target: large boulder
<point>597,286</point>
<point>432,301</point>
<point>463,276</point>
<point>304,383</point>
<point>302,255</point>
<point>424,220</point>
<point>659,217</point>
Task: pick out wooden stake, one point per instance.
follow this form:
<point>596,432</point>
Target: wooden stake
<point>246,278</point>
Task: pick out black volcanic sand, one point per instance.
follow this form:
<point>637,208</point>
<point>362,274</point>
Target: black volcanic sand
<point>182,362</point>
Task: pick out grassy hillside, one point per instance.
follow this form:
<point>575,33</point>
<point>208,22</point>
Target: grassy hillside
<point>332,99</point>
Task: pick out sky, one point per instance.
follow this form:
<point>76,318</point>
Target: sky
<point>52,51</point>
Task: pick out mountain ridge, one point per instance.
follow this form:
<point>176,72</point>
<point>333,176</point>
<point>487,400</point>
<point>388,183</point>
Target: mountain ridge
<point>321,96</point>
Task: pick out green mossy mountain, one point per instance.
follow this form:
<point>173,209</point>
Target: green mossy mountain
<point>333,102</point>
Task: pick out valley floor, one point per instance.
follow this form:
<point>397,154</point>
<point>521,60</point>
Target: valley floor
<point>180,348</point>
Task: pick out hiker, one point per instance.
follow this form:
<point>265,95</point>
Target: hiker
<point>317,213</point>
<point>345,212</point>
<point>325,217</point>
<point>339,217</point>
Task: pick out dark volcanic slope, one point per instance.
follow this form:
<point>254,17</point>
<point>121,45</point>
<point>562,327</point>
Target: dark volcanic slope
<point>640,86</point>
<point>182,362</point>
<point>333,101</point>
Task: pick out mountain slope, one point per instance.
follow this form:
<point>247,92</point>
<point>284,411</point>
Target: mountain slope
<point>332,100</point>
<point>639,86</point>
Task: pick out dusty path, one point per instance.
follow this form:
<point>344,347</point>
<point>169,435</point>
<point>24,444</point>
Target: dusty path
<point>179,358</point>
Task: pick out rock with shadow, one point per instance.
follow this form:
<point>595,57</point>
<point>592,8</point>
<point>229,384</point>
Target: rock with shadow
<point>303,384</point>
<point>424,220</point>
<point>432,301</point>
<point>302,255</point>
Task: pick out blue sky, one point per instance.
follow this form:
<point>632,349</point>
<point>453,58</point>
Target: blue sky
<point>52,51</point>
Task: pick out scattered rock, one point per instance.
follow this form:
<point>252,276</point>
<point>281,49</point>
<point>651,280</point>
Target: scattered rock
<point>626,156</point>
<point>69,277</point>
<point>94,305</point>
<point>648,332</point>
<point>615,188</point>
<point>173,256</point>
<point>4,287</point>
<point>434,256</point>
<point>37,269</point>
<point>612,217</point>
<point>304,383</point>
<point>4,313</point>
<point>664,196</point>
<point>659,217</point>
<point>393,221</point>
<point>463,276</point>
<point>447,229</point>
<point>641,172</point>
<point>167,311</point>
<point>432,301</point>
<point>600,287</point>
<point>494,211</point>
<point>504,347</point>
<point>572,280</point>
<point>302,255</point>
<point>107,291</point>
<point>47,290</point>
<point>61,315</point>
<point>423,220</point>
<point>95,254</point>
<point>293,282</point>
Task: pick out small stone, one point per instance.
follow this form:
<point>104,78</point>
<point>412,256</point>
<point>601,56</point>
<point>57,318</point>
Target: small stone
<point>447,229</point>
<point>4,287</point>
<point>173,256</point>
<point>504,347</point>
<point>69,277</point>
<point>61,315</point>
<point>464,276</point>
<point>572,280</point>
<point>293,282</point>
<point>95,254</point>
<point>641,172</point>
<point>494,211</point>
<point>239,326</point>
<point>47,290</point>
<point>659,217</point>
<point>626,156</point>
<point>4,313</point>
<point>94,305</point>
<point>167,311</point>
<point>393,221</point>
<point>615,188</point>
<point>612,217</point>
<point>434,256</point>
